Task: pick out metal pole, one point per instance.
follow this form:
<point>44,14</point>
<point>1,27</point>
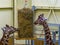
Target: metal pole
<point>28,42</point>
<point>59,36</point>
<point>32,42</point>
<point>54,37</point>
<point>45,41</point>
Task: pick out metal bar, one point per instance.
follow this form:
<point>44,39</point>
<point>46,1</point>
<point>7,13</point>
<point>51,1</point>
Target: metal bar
<point>13,20</point>
<point>59,36</point>
<point>54,37</point>
<point>46,7</point>
<point>33,8</point>
<point>28,42</point>
<point>25,42</point>
<point>43,30</point>
<point>32,42</point>
<point>40,39</point>
<point>45,41</point>
<point>50,24</point>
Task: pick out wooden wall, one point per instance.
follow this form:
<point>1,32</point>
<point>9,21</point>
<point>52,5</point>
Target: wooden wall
<point>11,42</point>
<point>38,42</point>
<point>41,42</point>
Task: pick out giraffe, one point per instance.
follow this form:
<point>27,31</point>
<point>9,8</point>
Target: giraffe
<point>7,31</point>
<point>42,21</point>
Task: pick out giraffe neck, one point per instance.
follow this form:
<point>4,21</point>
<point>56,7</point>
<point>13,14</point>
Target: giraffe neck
<point>5,39</point>
<point>47,34</point>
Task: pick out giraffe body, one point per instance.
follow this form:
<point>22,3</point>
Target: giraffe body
<point>42,21</point>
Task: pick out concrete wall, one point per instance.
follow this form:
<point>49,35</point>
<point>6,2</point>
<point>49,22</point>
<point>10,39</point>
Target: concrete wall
<point>49,3</point>
<point>21,4</point>
<point>6,3</point>
<point>6,13</point>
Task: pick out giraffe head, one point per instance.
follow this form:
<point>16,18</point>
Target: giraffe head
<point>9,29</point>
<point>40,19</point>
<point>7,33</point>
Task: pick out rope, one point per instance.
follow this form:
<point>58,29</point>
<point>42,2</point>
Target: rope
<point>55,17</point>
<point>25,5</point>
<point>54,5</point>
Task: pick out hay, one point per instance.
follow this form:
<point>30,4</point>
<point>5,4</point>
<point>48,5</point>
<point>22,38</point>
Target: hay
<point>25,23</point>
